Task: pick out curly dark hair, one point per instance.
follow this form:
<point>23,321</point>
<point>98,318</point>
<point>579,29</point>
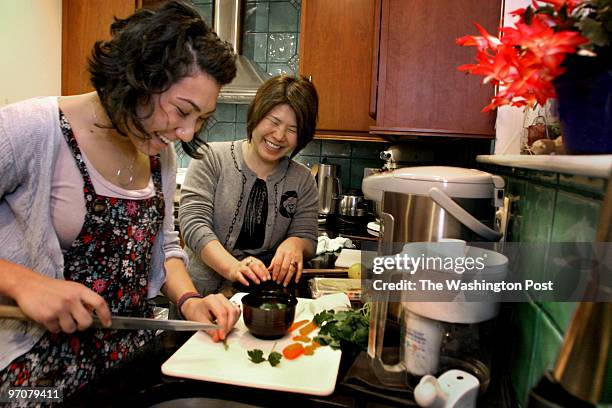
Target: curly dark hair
<point>297,92</point>
<point>149,52</point>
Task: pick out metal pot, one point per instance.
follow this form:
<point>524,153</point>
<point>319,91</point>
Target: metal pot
<point>329,187</point>
<point>353,205</point>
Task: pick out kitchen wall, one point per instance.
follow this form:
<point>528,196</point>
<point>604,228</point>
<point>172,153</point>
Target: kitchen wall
<point>551,207</point>
<point>31,43</point>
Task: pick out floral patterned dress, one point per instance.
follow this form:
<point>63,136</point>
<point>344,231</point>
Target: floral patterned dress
<point>112,256</point>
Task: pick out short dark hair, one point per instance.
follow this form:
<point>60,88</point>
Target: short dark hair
<point>149,52</point>
<point>297,92</point>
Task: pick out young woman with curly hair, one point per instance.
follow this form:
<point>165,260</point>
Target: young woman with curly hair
<point>86,197</point>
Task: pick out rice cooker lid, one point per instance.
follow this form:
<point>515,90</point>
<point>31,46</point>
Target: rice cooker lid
<point>456,181</point>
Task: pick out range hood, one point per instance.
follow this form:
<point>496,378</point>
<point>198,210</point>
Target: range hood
<point>249,75</point>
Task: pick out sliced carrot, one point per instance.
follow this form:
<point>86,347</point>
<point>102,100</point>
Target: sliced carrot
<point>293,351</point>
<point>310,349</point>
<point>303,339</point>
<point>306,330</point>
<point>297,325</point>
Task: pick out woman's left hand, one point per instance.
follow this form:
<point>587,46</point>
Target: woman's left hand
<point>213,309</point>
<point>287,261</point>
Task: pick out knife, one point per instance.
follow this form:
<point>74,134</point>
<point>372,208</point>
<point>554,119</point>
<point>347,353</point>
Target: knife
<point>123,322</point>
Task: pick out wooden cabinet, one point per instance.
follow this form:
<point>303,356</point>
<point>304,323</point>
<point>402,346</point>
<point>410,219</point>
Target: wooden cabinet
<point>419,90</point>
<point>336,51</point>
<point>83,23</point>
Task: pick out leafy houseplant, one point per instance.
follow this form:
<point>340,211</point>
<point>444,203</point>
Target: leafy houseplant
<point>558,48</point>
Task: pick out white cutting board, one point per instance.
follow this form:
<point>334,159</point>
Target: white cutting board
<point>202,359</point>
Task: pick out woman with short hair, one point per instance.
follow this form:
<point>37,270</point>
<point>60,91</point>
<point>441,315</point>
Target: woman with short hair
<point>248,211</point>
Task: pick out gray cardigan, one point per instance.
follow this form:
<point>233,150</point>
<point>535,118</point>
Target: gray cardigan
<point>209,198</point>
<point>30,137</point>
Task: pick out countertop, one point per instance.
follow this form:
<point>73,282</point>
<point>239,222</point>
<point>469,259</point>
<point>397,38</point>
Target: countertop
<point>139,382</point>
<point>587,165</point>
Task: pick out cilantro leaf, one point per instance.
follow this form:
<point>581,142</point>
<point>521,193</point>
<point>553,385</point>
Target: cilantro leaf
<point>274,358</point>
<point>256,356</point>
<point>322,317</point>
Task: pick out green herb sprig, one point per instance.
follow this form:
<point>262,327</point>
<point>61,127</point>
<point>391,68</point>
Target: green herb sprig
<point>348,327</point>
<point>256,356</point>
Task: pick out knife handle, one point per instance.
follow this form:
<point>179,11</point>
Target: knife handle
<point>12,312</point>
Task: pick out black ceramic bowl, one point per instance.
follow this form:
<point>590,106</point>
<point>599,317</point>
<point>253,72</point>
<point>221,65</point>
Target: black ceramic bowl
<point>268,314</point>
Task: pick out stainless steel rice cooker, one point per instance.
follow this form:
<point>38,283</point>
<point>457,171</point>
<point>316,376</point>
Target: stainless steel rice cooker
<point>427,203</point>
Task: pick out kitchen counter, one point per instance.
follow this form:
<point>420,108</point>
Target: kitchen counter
<point>140,382</point>
<point>587,165</point>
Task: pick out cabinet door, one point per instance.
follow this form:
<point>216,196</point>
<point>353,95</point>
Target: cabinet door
<point>420,90</point>
<point>336,43</point>
<point>83,23</point>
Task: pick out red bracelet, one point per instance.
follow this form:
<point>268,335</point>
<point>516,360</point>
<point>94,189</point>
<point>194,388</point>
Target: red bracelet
<point>185,297</point>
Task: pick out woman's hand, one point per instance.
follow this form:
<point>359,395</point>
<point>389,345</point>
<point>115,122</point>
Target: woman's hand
<point>213,309</point>
<point>60,305</point>
<point>288,261</point>
<point>250,268</point>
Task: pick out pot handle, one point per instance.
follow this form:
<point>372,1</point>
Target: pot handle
<point>464,217</point>
<point>338,189</point>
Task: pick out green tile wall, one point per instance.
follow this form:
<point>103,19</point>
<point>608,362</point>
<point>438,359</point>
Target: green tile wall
<point>551,208</point>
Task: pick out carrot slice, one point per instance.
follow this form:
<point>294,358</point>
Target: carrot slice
<point>297,325</point>
<point>293,351</point>
<point>309,350</point>
<point>304,331</point>
<point>303,339</point>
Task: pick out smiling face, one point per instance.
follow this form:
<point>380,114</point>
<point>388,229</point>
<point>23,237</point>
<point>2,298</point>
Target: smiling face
<point>178,113</point>
<point>275,136</point>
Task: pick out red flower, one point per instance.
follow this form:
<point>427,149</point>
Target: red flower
<point>528,57</point>
<point>132,207</point>
<point>99,285</point>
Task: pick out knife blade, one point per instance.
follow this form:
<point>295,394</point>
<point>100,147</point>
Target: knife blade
<point>123,322</point>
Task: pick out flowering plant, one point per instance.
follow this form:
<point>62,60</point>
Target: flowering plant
<point>528,57</point>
